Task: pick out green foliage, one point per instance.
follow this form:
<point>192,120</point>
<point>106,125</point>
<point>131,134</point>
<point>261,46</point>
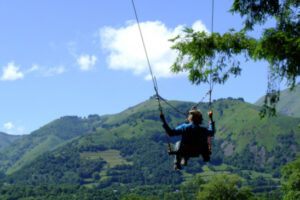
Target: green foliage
<point>197,50</point>
<point>224,187</point>
<point>279,45</point>
<point>256,12</point>
<point>54,192</point>
<point>191,188</point>
<point>291,180</point>
<point>132,197</point>
<point>96,176</point>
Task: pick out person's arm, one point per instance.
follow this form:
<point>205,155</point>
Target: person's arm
<point>211,129</point>
<point>170,132</point>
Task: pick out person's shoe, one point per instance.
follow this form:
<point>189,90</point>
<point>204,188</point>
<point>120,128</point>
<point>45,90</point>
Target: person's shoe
<point>184,162</point>
<point>206,158</point>
<point>177,166</point>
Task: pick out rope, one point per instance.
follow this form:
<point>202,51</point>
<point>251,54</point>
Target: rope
<point>197,104</point>
<point>158,97</point>
<point>210,77</point>
<point>177,110</point>
<point>212,31</point>
<point>146,53</point>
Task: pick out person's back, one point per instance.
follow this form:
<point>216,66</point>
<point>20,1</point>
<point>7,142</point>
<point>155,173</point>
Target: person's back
<point>193,134</point>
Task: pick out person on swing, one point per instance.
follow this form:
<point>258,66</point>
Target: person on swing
<point>193,138</point>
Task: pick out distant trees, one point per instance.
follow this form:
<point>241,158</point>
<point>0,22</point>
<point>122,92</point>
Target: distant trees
<point>54,192</point>
<point>291,180</point>
<point>220,187</point>
<point>225,187</point>
<point>2,174</point>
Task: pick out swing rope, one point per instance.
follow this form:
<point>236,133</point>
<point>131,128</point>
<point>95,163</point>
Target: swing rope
<point>146,53</point>
<point>210,76</point>
<point>212,32</point>
<point>150,69</point>
<point>173,107</point>
<point>158,97</point>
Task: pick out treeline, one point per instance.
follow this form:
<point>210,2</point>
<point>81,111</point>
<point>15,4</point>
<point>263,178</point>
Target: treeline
<point>149,178</point>
<point>218,187</point>
<point>54,192</point>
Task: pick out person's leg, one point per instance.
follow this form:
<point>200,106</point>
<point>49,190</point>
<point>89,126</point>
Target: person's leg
<point>178,157</point>
<point>185,161</point>
<point>206,157</point>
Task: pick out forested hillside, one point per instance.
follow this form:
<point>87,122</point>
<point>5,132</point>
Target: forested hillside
<point>42,140</point>
<point>129,150</point>
<point>6,139</point>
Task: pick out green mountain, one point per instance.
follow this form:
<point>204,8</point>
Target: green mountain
<point>289,102</point>
<point>6,139</point>
<point>129,149</point>
<point>45,139</point>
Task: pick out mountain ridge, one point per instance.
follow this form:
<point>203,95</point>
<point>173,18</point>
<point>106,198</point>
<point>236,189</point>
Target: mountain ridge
<point>288,103</point>
<point>135,137</point>
<point>44,139</point>
<point>7,139</point>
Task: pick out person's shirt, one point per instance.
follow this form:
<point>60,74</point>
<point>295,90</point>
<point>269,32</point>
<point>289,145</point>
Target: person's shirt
<point>191,133</point>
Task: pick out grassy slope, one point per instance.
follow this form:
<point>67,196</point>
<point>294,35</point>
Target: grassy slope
<point>136,121</point>
<point>289,102</point>
<point>236,121</point>
<point>111,157</point>
<point>240,122</point>
<point>42,140</point>
<point>6,139</point>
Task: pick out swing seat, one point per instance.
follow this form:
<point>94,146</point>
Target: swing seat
<point>190,150</point>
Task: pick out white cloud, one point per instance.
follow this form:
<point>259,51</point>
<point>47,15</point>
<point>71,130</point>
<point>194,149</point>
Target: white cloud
<point>11,72</point>
<point>46,70</point>
<point>199,26</point>
<point>8,126</point>
<point>126,51</point>
<point>86,62</point>
<point>33,68</point>
<point>54,71</point>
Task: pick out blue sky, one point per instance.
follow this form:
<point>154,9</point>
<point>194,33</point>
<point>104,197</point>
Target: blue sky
<point>75,57</point>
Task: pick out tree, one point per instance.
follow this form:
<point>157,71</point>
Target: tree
<point>132,196</point>
<point>190,188</point>
<point>291,180</point>
<point>203,54</point>
<point>225,187</point>
<point>96,176</point>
